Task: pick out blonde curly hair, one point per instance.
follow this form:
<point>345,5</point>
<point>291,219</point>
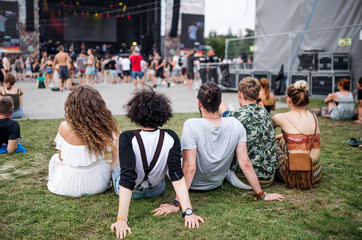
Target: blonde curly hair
<point>87,115</point>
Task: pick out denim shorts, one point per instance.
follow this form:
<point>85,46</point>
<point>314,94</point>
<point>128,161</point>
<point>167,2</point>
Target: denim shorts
<point>140,192</point>
<point>134,74</point>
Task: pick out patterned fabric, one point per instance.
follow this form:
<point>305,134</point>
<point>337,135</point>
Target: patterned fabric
<point>261,142</point>
<point>283,157</point>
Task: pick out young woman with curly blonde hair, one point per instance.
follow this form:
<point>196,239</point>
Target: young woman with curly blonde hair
<point>88,133</point>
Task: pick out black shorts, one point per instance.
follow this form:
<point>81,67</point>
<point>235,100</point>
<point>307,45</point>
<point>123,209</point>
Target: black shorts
<point>127,73</point>
<point>64,73</point>
<point>190,75</point>
<point>159,74</point>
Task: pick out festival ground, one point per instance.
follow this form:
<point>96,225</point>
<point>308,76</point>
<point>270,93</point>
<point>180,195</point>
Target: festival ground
<point>47,104</point>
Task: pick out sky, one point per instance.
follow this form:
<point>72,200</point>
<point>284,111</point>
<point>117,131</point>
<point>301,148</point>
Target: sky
<point>220,15</point>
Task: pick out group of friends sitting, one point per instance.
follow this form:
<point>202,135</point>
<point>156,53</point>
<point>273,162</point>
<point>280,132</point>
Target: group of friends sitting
<point>239,146</point>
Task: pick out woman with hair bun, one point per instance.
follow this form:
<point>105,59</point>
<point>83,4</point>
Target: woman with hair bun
<point>15,93</point>
<point>300,136</point>
<point>83,139</point>
<point>341,103</point>
<point>266,97</point>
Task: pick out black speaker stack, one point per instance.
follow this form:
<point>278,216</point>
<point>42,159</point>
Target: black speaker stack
<point>322,70</point>
<point>29,21</point>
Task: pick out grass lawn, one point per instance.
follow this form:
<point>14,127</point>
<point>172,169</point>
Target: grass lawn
<point>332,210</point>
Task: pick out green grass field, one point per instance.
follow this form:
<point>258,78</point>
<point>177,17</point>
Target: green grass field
<point>332,210</point>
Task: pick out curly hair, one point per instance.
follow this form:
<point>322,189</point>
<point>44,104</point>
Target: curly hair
<point>344,83</point>
<point>209,96</point>
<point>149,109</point>
<point>90,119</point>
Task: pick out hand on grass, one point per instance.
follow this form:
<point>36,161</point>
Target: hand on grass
<point>192,221</point>
<point>273,197</point>
<point>121,228</point>
<point>165,209</point>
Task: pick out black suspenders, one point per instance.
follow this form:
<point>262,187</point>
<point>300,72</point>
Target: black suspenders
<point>147,169</point>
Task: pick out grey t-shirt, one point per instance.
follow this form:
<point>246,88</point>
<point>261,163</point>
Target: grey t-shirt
<point>215,149</point>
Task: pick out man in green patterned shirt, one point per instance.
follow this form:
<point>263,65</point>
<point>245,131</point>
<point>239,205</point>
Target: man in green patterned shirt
<point>261,142</point>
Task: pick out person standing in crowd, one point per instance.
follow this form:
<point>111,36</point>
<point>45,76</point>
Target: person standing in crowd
<point>126,69</point>
<point>160,64</point>
<point>176,71</point>
<point>132,178</point>
<point>119,68</point>
<point>113,70</point>
<point>6,63</point>
<point>213,59</point>
<point>261,144</point>
<point>267,98</point>
<point>81,59</point>
<point>44,59</point>
<point>15,93</point>
<point>136,69</point>
<point>151,69</point>
<point>48,66</point>
<point>106,70</point>
<point>19,67</point>
<point>2,73</point>
<point>341,103</point>
<point>90,70</point>
<point>203,66</point>
<point>190,69</point>
<point>9,129</point>
<point>28,68</point>
<point>36,68</point>
<point>62,59</point>
<point>300,136</point>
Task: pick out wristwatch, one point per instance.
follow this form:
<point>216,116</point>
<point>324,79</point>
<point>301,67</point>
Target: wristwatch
<point>176,203</point>
<point>188,212</point>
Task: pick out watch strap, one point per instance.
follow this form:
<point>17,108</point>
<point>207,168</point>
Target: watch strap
<point>176,203</point>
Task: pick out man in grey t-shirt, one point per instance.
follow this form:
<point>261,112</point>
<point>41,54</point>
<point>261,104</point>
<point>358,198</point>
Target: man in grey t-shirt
<point>215,146</point>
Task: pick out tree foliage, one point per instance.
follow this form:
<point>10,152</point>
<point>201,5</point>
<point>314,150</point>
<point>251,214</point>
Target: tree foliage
<point>217,42</point>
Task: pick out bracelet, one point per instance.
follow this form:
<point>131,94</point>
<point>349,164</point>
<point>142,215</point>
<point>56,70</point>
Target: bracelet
<point>122,219</point>
<point>259,196</point>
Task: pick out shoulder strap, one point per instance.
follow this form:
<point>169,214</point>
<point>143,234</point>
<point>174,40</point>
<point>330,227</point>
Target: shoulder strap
<point>147,169</point>
<point>315,132</point>
<point>291,123</point>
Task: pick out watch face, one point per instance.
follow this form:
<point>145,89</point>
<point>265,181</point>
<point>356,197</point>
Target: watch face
<point>189,211</point>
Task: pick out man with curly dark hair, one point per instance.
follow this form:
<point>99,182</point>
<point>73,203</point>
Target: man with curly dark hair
<point>146,155</point>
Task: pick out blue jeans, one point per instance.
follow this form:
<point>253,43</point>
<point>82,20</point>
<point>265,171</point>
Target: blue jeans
<point>140,192</point>
<point>18,113</point>
<point>134,74</point>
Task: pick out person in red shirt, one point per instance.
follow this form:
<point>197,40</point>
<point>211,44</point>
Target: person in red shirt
<point>136,70</point>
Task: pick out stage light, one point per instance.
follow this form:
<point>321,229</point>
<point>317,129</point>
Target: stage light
<point>82,13</point>
<point>117,16</point>
<point>107,15</point>
<point>129,17</point>
<point>50,41</point>
<point>96,14</point>
<point>100,14</point>
<point>134,43</point>
<point>111,5</point>
<point>77,3</point>
<point>59,12</point>
<point>124,8</point>
<point>120,4</point>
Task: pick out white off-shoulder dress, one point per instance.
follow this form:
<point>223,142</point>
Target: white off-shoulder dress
<point>78,173</point>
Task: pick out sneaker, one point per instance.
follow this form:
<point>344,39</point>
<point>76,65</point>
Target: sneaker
<point>154,86</point>
<point>168,84</point>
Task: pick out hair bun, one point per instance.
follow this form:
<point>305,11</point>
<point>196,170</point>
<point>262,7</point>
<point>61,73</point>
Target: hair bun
<point>301,85</point>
